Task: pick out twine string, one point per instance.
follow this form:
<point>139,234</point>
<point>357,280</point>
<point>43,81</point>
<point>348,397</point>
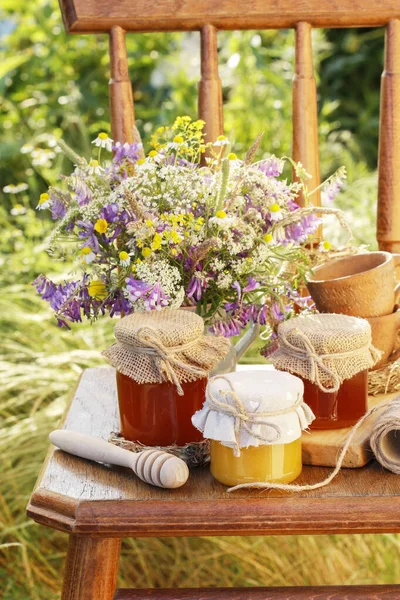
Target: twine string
<point>316,361</point>
<point>244,419</point>
<point>168,361</point>
<point>293,487</point>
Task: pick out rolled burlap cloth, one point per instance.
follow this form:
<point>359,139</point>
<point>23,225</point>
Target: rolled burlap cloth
<point>385,437</point>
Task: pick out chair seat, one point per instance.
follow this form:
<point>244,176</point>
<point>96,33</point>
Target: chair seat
<point>82,497</point>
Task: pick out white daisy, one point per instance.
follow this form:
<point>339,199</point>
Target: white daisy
<point>87,255</point>
<point>221,141</point>
<point>44,202</point>
<point>124,259</point>
<point>276,212</point>
<point>94,168</point>
<point>103,141</point>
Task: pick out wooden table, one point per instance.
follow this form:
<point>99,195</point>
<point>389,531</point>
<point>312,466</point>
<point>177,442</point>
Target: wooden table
<point>98,505</point>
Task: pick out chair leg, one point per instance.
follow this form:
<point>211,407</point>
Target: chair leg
<point>91,568</point>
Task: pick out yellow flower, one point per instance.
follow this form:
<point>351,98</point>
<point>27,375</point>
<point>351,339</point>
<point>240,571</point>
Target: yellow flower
<point>97,289</point>
<point>86,250</point>
<point>178,139</point>
<point>147,252</point>
<point>153,153</point>
<point>220,214</point>
<point>268,238</point>
<point>220,138</point>
<point>231,156</point>
<point>103,136</point>
<point>140,161</point>
<point>101,226</point>
<point>157,240</point>
<point>93,163</point>
<point>123,255</point>
<point>174,251</point>
<point>149,222</point>
<point>160,130</point>
<point>175,237</point>
<point>274,208</point>
<point>139,243</point>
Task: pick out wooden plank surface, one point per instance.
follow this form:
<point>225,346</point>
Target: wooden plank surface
<point>342,592</point>
<point>322,447</point>
<point>78,496</point>
<point>89,16</point>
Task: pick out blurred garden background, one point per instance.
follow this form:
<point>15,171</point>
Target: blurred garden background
<point>54,85</point>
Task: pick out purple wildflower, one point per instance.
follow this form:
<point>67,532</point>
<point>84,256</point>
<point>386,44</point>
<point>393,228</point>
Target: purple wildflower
<point>129,152</point>
<point>271,167</point>
<point>277,312</point>
<point>333,186</point>
<point>252,285</point>
<point>58,209</point>
<point>153,295</point>
<point>81,189</point>
<point>88,235</point>
<point>195,288</point>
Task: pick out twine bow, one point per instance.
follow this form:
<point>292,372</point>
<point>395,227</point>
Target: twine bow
<point>317,361</point>
<point>167,361</point>
<point>243,419</point>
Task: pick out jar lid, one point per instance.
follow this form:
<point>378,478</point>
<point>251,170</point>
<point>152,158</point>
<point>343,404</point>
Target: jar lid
<point>253,408</point>
<point>167,345</point>
<point>325,348</point>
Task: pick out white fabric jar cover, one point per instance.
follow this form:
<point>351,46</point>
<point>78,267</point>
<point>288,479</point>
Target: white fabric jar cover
<point>253,408</point>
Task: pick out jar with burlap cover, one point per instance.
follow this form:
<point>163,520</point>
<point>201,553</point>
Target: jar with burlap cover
<point>167,345</point>
<point>326,349</point>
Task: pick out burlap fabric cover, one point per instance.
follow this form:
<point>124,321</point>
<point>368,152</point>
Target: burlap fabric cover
<point>167,345</point>
<point>326,349</point>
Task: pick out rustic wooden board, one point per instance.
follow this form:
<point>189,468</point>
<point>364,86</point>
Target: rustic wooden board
<point>82,497</point>
<point>321,448</point>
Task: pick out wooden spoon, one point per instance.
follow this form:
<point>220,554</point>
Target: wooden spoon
<point>152,466</point>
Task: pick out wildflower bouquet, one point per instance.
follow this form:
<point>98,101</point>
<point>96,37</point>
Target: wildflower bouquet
<point>157,231</point>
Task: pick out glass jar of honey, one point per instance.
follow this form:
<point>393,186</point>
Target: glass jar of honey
<point>162,359</point>
<point>331,354</point>
<point>254,420</point>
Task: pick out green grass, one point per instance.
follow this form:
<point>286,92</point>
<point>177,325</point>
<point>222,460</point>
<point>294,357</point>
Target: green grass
<point>39,367</point>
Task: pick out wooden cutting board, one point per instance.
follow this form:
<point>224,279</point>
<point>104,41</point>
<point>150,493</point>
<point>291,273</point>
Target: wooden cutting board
<point>322,447</point>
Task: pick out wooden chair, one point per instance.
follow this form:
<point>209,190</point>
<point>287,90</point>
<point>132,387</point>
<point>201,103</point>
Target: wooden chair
<point>98,506</point>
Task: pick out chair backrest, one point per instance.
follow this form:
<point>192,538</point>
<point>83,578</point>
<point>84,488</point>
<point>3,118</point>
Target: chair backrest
<point>207,16</point>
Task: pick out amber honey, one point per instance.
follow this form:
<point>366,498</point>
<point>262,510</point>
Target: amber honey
<point>338,409</point>
<point>280,463</point>
<point>154,414</point>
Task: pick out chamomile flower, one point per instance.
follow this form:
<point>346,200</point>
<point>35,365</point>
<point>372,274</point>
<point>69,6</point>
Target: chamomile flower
<point>324,246</point>
<point>268,238</point>
<point>103,141</point>
<point>95,168</point>
<point>15,189</point>
<point>221,140</point>
<point>87,255</point>
<point>124,259</point>
<point>276,212</point>
<point>44,202</point>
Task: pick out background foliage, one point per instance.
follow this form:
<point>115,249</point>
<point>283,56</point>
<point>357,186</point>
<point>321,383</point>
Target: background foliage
<point>52,84</point>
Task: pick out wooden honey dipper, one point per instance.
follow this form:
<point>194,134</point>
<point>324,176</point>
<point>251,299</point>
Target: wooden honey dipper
<point>152,466</point>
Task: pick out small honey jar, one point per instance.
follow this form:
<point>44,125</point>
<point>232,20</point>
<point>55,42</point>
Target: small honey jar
<point>254,421</point>
<point>331,353</point>
<point>162,359</point>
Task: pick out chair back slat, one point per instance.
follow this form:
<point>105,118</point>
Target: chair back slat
<point>305,119</point>
<point>90,16</point>
<point>210,89</point>
<point>121,99</point>
<point>388,222</point>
